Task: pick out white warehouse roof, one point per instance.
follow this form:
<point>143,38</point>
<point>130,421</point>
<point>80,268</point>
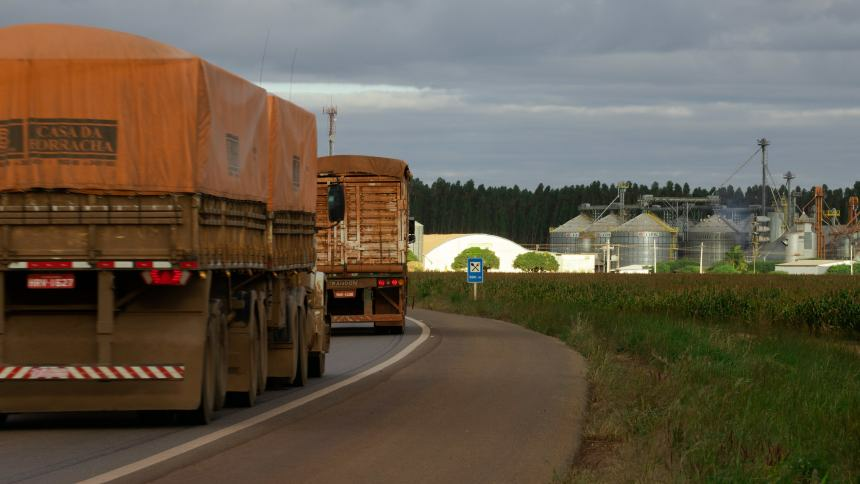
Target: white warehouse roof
<point>440,257</point>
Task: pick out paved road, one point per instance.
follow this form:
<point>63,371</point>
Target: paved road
<point>479,401</point>
<point>71,447</point>
<point>484,401</point>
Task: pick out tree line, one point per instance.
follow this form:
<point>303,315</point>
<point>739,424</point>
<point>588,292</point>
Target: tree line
<point>525,216</point>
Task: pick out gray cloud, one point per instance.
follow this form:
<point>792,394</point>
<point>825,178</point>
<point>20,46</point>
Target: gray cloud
<point>552,91</point>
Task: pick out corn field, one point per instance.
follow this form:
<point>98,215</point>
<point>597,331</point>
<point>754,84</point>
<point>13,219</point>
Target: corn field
<point>819,303</point>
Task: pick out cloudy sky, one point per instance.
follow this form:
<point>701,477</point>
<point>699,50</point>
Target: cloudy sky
<point>547,91</point>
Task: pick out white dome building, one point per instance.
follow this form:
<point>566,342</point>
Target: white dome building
<point>441,249</point>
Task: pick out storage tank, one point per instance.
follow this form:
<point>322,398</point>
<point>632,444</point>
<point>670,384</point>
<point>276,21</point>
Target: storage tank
<point>637,239</point>
<point>598,234</point>
<point>777,224</point>
<point>718,236</point>
<point>563,238</point>
<point>842,246</point>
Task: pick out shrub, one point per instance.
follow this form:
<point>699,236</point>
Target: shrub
<point>723,268</point>
<point>843,269</point>
<point>536,262</point>
<point>491,260</point>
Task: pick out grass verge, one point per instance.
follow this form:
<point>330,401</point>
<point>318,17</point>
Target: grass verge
<point>675,399</point>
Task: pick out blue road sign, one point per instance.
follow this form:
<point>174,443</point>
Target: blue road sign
<point>475,270</point>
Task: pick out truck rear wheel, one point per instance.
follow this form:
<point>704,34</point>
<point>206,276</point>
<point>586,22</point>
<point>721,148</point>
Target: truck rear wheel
<point>3,417</point>
<point>247,399</point>
<point>209,377</point>
<point>263,360</point>
<point>217,327</point>
<point>204,413</point>
<point>301,347</point>
<point>316,364</point>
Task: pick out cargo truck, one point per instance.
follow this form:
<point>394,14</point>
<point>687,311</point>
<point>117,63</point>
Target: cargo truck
<point>157,222</point>
<point>363,251</point>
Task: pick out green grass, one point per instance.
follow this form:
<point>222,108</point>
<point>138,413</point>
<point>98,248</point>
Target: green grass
<point>678,399</point>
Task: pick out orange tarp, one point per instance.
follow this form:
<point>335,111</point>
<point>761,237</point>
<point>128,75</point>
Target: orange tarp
<point>92,109</point>
<point>292,157</point>
<point>360,164</point>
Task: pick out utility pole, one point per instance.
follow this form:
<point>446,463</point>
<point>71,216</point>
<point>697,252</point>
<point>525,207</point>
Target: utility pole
<point>331,112</point>
<point>763,143</point>
<point>702,258</point>
<point>789,209</point>
<point>622,189</point>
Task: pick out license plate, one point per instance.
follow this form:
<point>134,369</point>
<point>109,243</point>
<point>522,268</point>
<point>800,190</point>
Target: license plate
<point>51,281</point>
<point>344,293</point>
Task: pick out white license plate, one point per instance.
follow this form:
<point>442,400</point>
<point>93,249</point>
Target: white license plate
<point>343,293</point>
<point>51,281</point>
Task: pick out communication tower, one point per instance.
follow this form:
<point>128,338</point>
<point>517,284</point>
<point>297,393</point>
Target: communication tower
<point>331,112</point>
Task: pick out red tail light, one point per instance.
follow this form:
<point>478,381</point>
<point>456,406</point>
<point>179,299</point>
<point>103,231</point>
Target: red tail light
<point>156,277</point>
<point>394,282</point>
<point>380,282</point>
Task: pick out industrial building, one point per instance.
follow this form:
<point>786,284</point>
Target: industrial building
<point>655,229</point>
<point>442,249</point>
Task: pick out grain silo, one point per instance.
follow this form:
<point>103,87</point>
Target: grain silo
<point>563,239</point>
<point>711,238</point>
<point>643,237</point>
<point>598,234</point>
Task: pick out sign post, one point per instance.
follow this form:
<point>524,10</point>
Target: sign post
<point>475,274</point>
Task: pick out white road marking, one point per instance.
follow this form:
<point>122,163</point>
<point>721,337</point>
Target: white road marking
<point>207,439</point>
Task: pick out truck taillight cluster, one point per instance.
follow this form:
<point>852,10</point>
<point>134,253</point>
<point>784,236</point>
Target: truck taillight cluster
<point>157,277</point>
<point>389,282</point>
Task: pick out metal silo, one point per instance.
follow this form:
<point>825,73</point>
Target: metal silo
<point>563,239</point>
<point>598,234</point>
<point>641,237</point>
<point>718,236</point>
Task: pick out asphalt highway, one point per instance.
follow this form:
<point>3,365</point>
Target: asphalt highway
<point>455,399</point>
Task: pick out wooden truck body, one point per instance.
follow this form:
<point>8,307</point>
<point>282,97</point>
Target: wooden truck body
<point>364,256</point>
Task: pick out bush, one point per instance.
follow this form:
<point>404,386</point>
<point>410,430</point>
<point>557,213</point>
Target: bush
<point>763,267</point>
<point>536,262</point>
<point>844,269</point>
<point>681,266</point>
<point>491,260</point>
<point>723,268</point>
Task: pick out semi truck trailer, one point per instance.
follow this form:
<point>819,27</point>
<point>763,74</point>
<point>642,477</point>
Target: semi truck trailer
<point>363,251</point>
<point>157,220</point>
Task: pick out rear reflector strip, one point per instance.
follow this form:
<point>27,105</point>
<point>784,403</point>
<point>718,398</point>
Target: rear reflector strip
<point>104,264</point>
<point>89,372</point>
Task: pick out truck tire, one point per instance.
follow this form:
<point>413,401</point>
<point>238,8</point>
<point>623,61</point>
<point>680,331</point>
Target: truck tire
<point>263,361</point>
<point>206,410</point>
<point>217,327</point>
<point>301,346</point>
<point>3,417</point>
<point>247,399</point>
<point>212,367</point>
<point>316,364</point>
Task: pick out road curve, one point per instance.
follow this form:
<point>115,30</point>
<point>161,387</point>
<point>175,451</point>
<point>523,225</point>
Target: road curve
<point>483,401</point>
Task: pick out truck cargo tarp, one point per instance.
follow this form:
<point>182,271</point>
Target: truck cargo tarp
<point>371,165</point>
<point>292,157</point>
<point>90,109</point>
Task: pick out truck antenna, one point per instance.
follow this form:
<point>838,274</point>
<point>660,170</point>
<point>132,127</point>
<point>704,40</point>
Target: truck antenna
<point>292,64</point>
<point>263,58</point>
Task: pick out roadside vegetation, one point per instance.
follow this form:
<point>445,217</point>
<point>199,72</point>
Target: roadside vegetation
<point>536,262</point>
<point>695,378</point>
<point>491,260</point>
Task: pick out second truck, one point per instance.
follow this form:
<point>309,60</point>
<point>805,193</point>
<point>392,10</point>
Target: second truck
<point>364,255</point>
